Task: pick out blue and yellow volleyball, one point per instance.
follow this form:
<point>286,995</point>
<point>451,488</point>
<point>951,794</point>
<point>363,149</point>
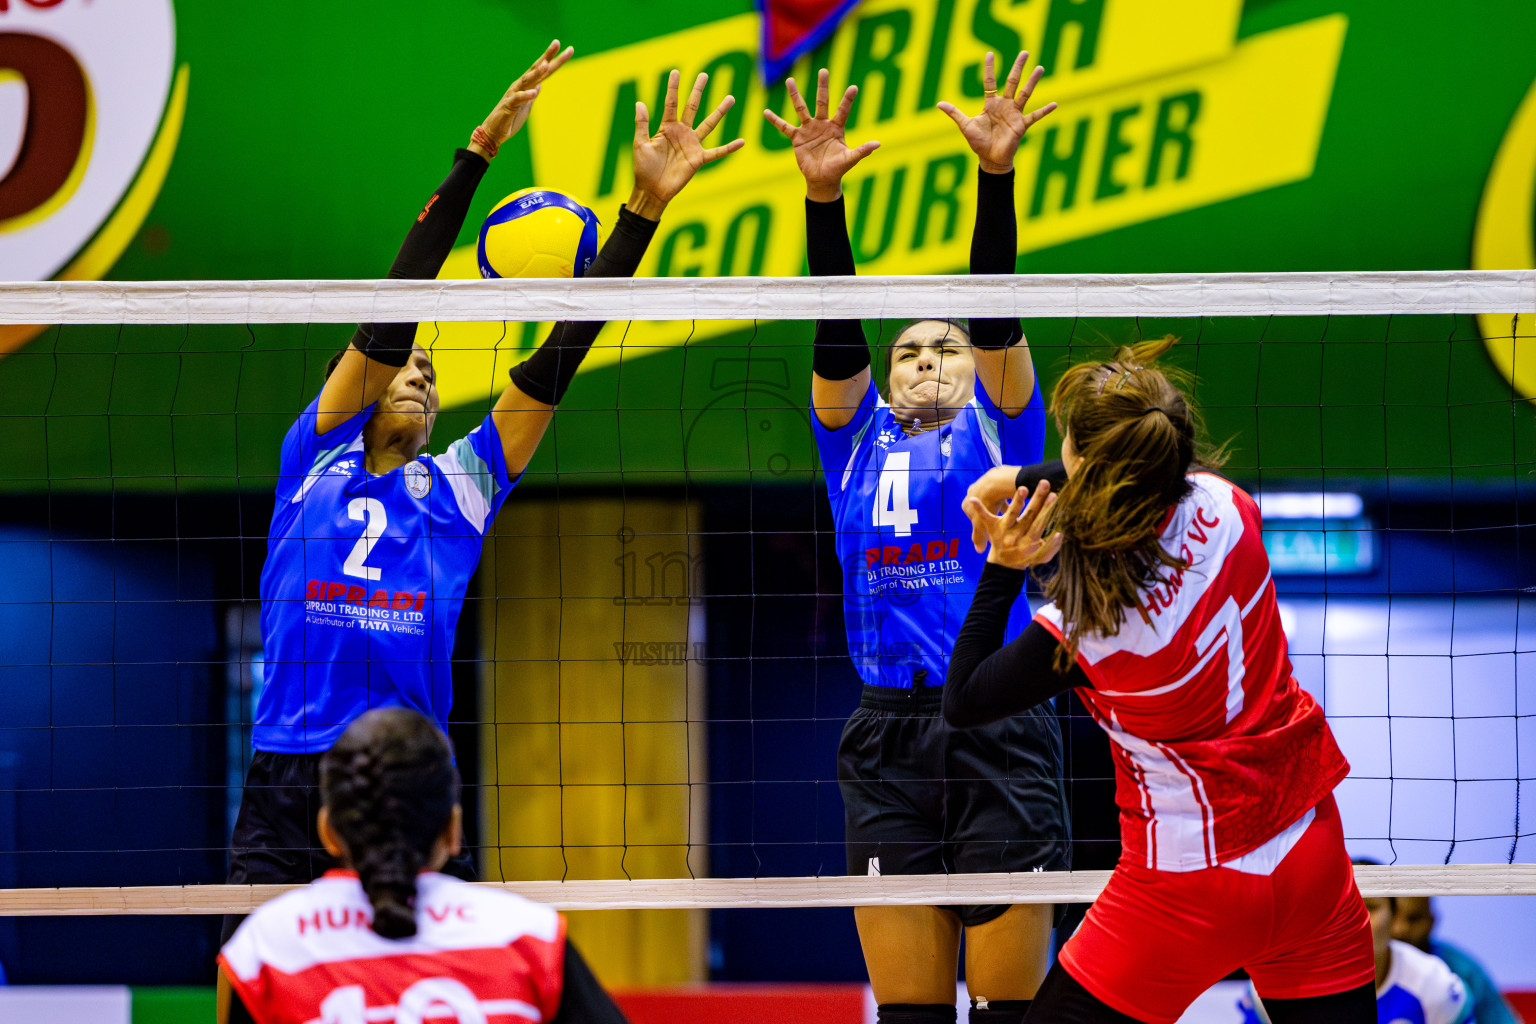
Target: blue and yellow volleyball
<point>538,232</point>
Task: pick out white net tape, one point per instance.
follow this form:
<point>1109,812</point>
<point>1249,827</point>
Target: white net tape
<point>744,298</point>
<point>727,893</point>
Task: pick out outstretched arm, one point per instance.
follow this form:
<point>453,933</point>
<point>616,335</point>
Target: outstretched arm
<point>1003,364</point>
<point>997,486</point>
<point>664,163</point>
<point>378,351</point>
<point>840,372</point>
<point>988,680</point>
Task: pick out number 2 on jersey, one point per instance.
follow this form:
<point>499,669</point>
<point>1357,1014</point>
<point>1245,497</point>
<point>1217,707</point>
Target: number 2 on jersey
<point>893,507</point>
<point>369,512</point>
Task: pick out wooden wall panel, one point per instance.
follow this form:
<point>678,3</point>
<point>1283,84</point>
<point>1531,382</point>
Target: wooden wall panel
<point>592,751</point>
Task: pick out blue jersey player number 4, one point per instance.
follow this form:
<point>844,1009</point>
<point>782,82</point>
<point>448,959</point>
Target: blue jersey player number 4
<point>919,797</point>
<point>902,539</point>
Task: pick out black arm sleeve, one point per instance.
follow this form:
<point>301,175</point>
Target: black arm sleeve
<point>994,250</point>
<point>1054,471</point>
<point>421,256</point>
<point>840,350</point>
<point>546,374</point>
<point>582,998</point>
<point>988,680</point>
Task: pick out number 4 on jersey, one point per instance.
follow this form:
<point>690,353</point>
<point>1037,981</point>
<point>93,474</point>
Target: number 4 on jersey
<point>892,506</point>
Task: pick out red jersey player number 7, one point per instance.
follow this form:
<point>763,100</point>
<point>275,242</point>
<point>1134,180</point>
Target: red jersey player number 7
<point>1162,615</point>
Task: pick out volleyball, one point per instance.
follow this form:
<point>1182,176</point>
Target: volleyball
<point>537,232</point>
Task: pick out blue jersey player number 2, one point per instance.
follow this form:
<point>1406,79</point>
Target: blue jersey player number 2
<point>373,542</point>
<point>365,578</point>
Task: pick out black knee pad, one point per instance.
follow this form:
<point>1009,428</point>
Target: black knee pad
<point>915,1013</point>
<point>999,1011</point>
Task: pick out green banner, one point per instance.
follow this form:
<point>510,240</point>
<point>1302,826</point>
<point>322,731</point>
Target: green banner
<point>289,140</point>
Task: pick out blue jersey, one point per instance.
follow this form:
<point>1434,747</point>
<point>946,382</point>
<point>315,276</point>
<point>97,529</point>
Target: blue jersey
<point>904,542</point>
<point>1487,1005</point>
<point>365,577</point>
<point>1421,989</point>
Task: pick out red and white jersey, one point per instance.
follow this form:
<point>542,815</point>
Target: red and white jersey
<point>479,954</point>
<point>1217,750</point>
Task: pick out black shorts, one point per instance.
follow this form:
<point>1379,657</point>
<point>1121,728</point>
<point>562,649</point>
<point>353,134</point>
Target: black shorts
<point>277,836</point>
<point>922,798</point>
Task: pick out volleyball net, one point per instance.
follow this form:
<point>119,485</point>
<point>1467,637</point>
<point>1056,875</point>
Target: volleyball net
<point>651,671</point>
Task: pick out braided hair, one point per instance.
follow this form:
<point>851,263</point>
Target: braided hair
<point>389,788</point>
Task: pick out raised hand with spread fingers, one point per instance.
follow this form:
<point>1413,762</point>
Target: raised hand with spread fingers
<point>821,150</point>
<point>511,111</point>
<point>1016,533</point>
<point>995,134</point>
<point>668,160</point>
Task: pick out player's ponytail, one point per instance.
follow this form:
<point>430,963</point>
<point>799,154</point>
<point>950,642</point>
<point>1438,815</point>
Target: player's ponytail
<point>390,787</point>
<point>1137,436</point>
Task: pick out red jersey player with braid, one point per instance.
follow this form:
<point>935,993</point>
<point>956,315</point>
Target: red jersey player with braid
<point>1163,616</point>
<point>387,936</point>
